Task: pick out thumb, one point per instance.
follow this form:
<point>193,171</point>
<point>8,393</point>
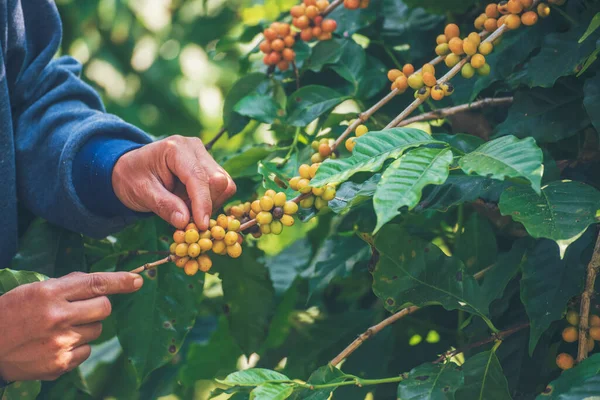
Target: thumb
<point>168,206</point>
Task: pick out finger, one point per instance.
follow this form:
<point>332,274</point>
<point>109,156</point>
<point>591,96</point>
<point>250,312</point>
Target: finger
<point>227,193</point>
<point>218,183</point>
<point>90,310</point>
<point>78,356</point>
<point>167,206</point>
<point>85,334</point>
<point>98,284</point>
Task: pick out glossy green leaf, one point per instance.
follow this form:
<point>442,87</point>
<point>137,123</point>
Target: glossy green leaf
<point>286,265</point>
<point>326,374</point>
<point>562,212</point>
<point>350,195</point>
<point>548,282</point>
<point>245,162</point>
<point>477,247</point>
<point>260,107</point>
<point>21,391</point>
<point>461,142</point>
<point>581,382</point>
<point>594,25</point>
<point>507,157</point>
<point>484,379</point>
<point>371,152</point>
<point>249,297</point>
<point>402,183</point>
<point>344,56</point>
<point>10,279</point>
<point>310,102</point>
<point>232,121</point>
<point>271,391</point>
<point>454,6</point>
<point>153,322</point>
<point>431,382</point>
<point>411,271</point>
<point>547,115</point>
<point>505,268</point>
<point>591,99</point>
<point>253,377</point>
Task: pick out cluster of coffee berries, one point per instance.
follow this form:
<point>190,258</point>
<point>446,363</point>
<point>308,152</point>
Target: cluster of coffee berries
<point>190,246</point>
<point>359,131</point>
<point>308,19</point>
<point>272,212</point>
<point>314,197</point>
<point>571,335</point>
<point>356,4</point>
<point>277,46</point>
<point>513,14</point>
<point>323,150</point>
<point>450,45</point>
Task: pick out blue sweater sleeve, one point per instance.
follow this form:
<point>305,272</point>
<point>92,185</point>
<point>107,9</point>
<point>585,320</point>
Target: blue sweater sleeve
<point>56,118</point>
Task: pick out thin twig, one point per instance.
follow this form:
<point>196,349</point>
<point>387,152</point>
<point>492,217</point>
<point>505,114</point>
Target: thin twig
<point>375,329</point>
<point>212,142</point>
<point>152,265</point>
<point>498,336</point>
<point>331,7</point>
<point>586,296</point>
<point>445,112</point>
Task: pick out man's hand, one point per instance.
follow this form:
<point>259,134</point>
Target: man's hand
<point>46,326</point>
<point>166,176</point>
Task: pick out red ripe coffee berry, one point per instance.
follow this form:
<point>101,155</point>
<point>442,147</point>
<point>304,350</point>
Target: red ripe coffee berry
<point>329,25</point>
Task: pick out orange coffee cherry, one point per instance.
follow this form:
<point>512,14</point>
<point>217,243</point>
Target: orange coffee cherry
<point>456,46</point>
<point>451,31</point>
<point>514,7</point>
<point>329,25</point>
<point>491,11</point>
<point>565,361</point>
<point>570,334</point>
<point>408,69</point>
<point>529,18</point>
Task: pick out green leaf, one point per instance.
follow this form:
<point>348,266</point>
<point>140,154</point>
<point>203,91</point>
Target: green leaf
<point>10,279</point>
<point>260,107</point>
<point>244,163</point>
<point>477,247</point>
<point>460,142</point>
<point>503,270</point>
<point>594,25</point>
<point>547,115</point>
<point>402,183</point>
<point>324,375</point>
<point>232,121</point>
<point>50,250</point>
<point>370,153</point>
<point>253,377</point>
<point>249,297</point>
<point>581,382</point>
<point>350,195</point>
<point>548,282</point>
<point>153,322</point>
<point>21,391</point>
<point>343,56</point>
<point>310,102</point>
<point>275,178</point>
<point>285,266</point>
<point>448,6</point>
<point>562,212</point>
<point>271,391</point>
<point>591,99</point>
<point>507,157</point>
<point>411,271</point>
<point>431,382</point>
<point>484,379</point>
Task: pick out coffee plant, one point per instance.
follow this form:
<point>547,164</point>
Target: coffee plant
<point>416,217</point>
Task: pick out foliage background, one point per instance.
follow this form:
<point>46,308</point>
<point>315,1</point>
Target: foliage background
<point>293,302</point>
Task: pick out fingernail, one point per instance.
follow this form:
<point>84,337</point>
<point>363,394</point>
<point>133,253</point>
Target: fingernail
<point>177,218</point>
<point>206,221</point>
<point>138,282</point>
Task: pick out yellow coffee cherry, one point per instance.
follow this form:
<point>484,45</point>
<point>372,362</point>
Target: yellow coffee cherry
<point>451,60</point>
<point>276,227</point>
<point>205,244</point>
<point>181,249</point>
<point>474,38</point>
<point>313,170</point>
<point>230,238</point>
<point>477,61</point>
<point>217,232</point>
<point>329,193</point>
<point>205,235</point>
<point>192,236</point>
<point>442,49</point>
<point>191,267</point>
<point>279,199</point>
<point>234,251</point>
<point>172,248</point>
<point>361,130</point>
<point>320,203</point>
<point>218,246</point>
<point>469,47</point>
<point>294,182</point>
<point>264,218</point>
<point>448,88</point>
<point>204,263</point>
<point>290,208</point>
<point>307,202</point>
<point>256,206</point>
<point>572,317</point>
<point>179,236</point>
<point>191,226</point>
<point>266,203</point>
<point>318,191</point>
<point>222,221</point>
<point>287,220</point>
<point>270,193</point>
<point>350,143</point>
<point>543,10</point>
<point>194,250</point>
<point>484,70</point>
<point>304,186</point>
<point>304,171</point>
<point>237,211</point>
<point>423,93</point>
<point>180,262</point>
<point>485,48</point>
<point>265,229</point>
<point>234,225</point>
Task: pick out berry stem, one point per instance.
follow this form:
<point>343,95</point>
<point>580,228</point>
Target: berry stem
<point>586,296</point>
<point>445,112</point>
<point>375,329</point>
<point>212,142</point>
<point>152,265</point>
<point>334,4</point>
